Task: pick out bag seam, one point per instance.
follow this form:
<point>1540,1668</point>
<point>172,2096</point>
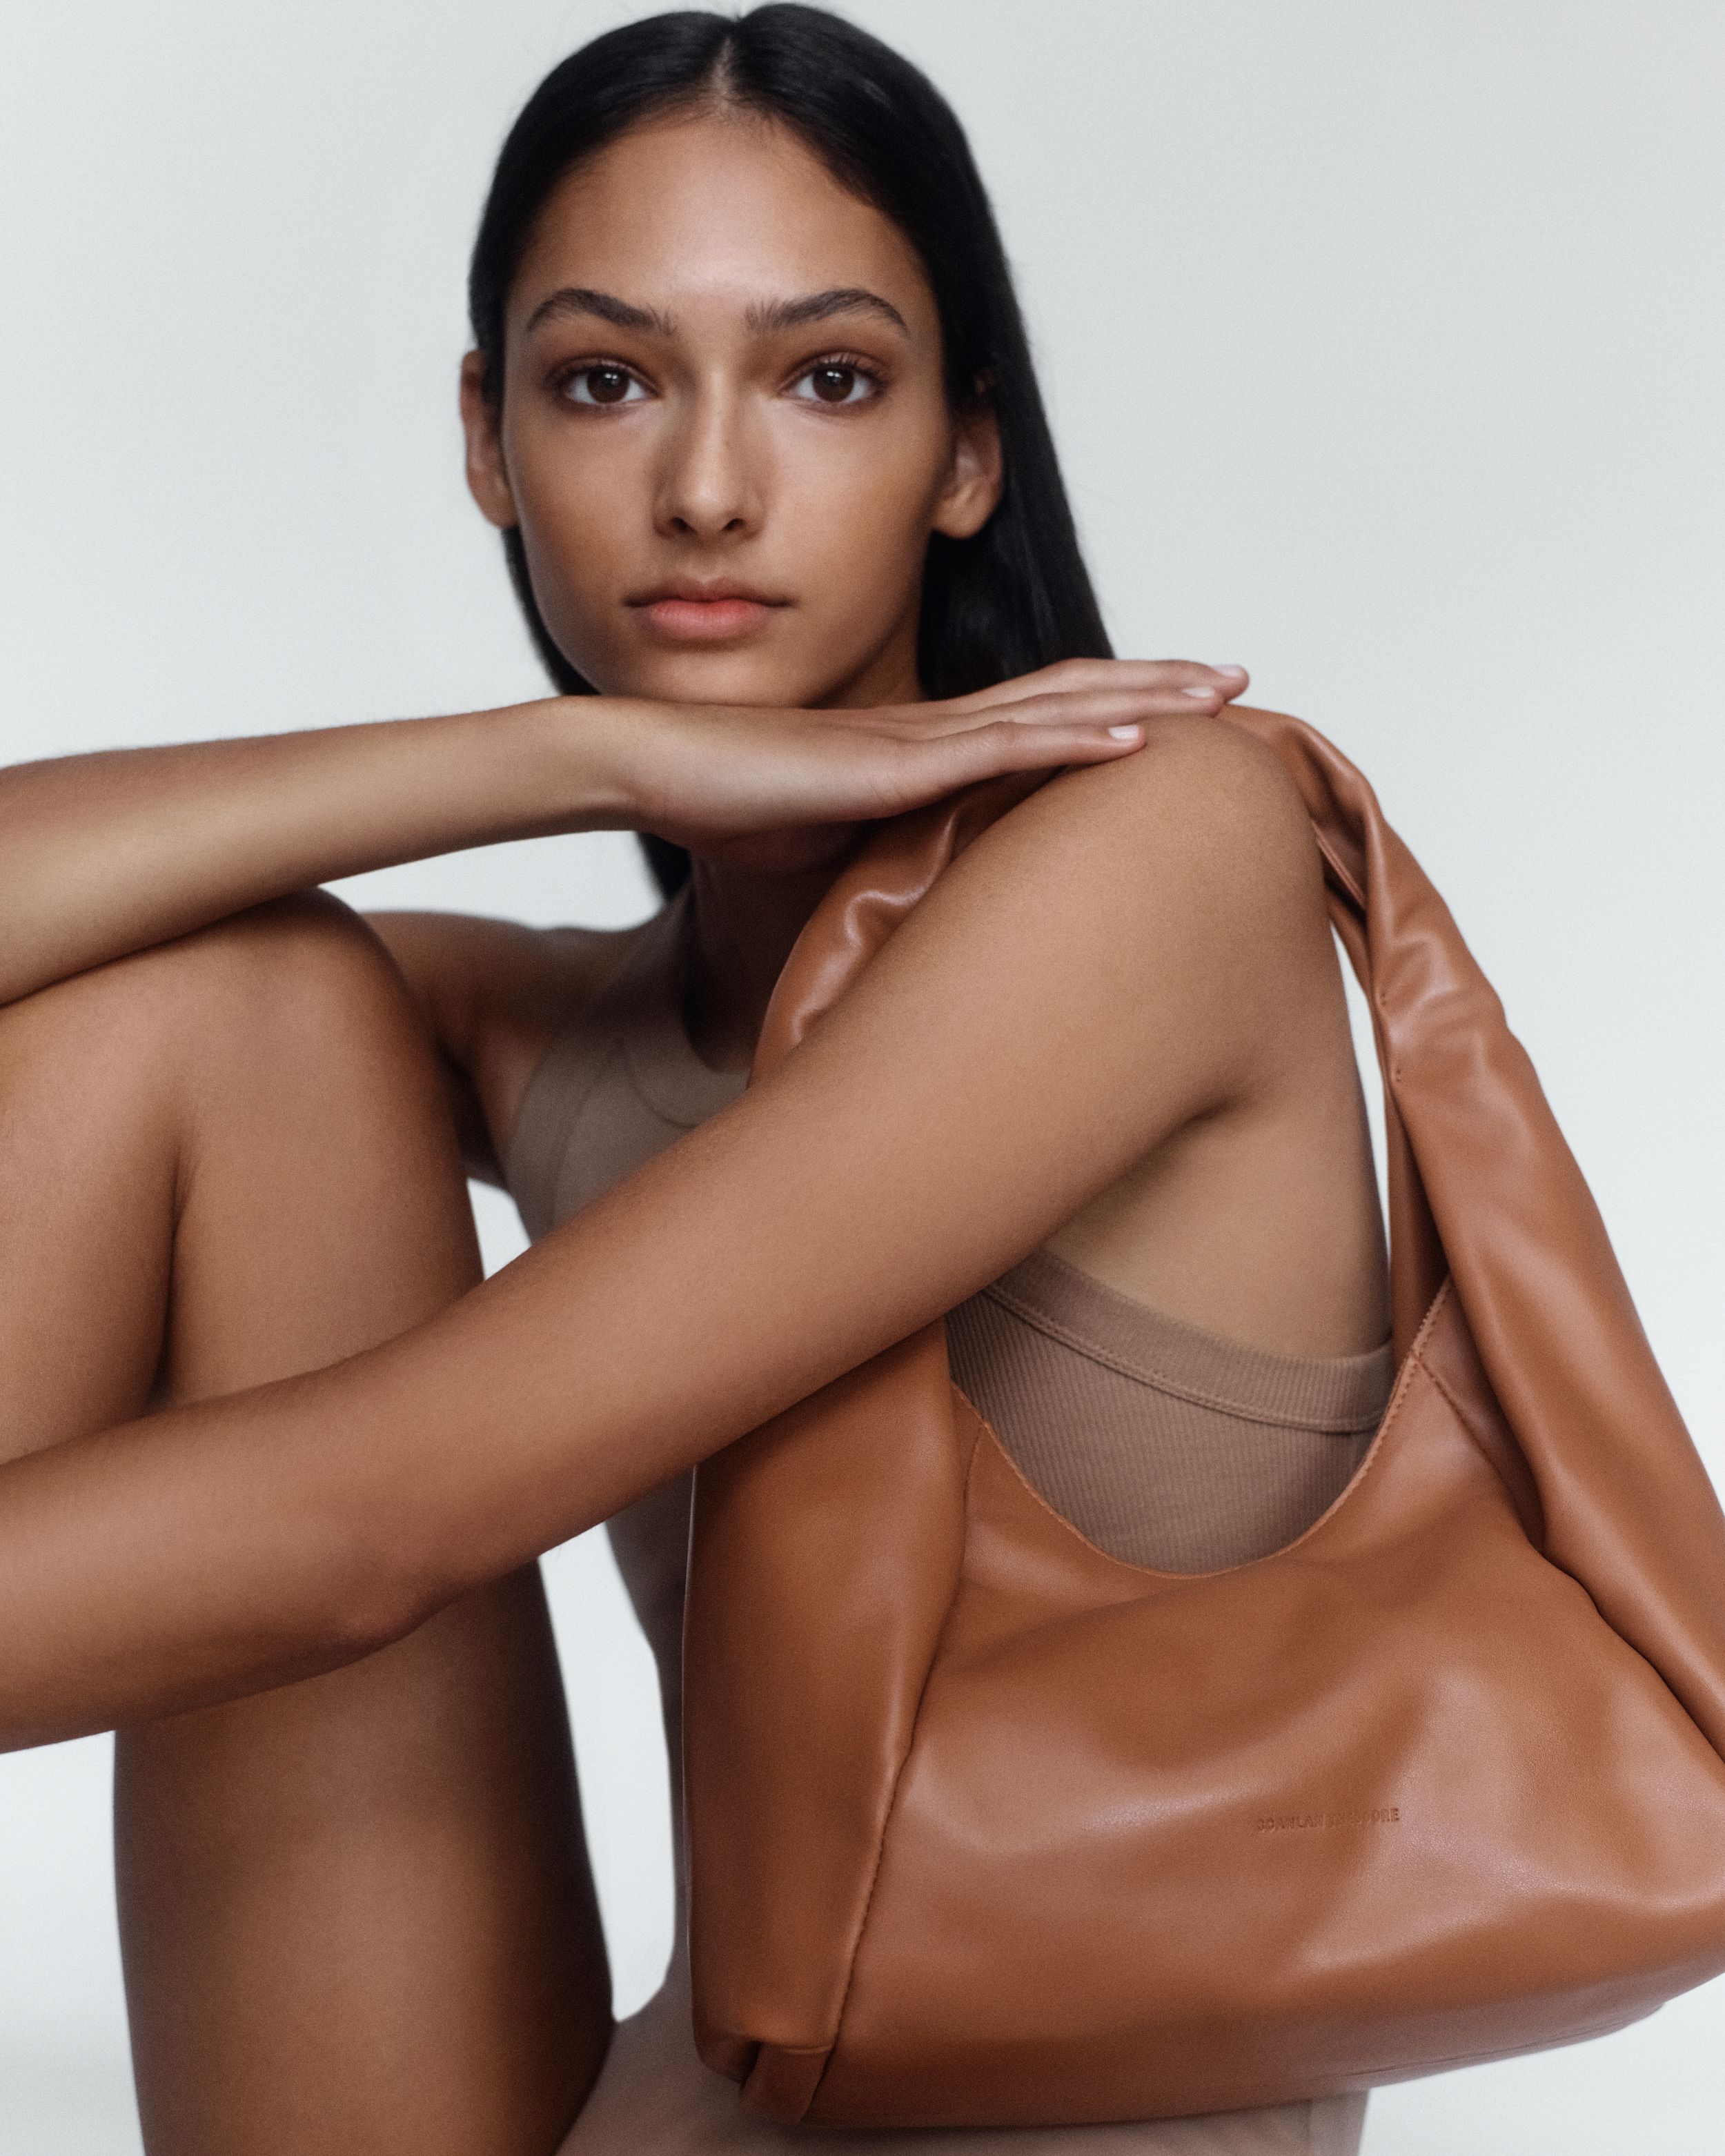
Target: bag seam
<point>1460,1415</point>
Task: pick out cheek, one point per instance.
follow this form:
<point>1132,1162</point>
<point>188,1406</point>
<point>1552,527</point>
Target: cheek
<point>581,508</point>
<point>878,483</point>
<point>582,497</point>
<point>853,514</point>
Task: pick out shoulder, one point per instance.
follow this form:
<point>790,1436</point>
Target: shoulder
<point>1134,949</point>
<point>1202,827</point>
<point>468,972</point>
<point>496,993</point>
<point>1210,791</point>
<point>1169,904</point>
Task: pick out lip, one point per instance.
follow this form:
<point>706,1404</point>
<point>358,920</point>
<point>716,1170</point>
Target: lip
<point>695,610</point>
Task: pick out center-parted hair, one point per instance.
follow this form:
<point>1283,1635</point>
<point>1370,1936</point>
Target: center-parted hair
<point>1017,595</point>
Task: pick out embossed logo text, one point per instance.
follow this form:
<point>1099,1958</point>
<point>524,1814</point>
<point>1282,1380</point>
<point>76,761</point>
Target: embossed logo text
<point>1306,1822</point>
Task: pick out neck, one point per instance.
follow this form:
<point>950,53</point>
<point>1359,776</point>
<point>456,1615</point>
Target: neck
<point>745,918</point>
<point>743,922</point>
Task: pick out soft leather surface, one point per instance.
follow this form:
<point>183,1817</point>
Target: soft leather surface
<point>987,1828</point>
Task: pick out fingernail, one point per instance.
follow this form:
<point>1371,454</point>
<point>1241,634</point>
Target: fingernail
<point>1123,733</point>
<point>1227,670</point>
<point>1204,694</point>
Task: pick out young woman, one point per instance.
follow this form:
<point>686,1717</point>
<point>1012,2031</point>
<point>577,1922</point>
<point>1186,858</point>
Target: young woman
<point>751,403</point>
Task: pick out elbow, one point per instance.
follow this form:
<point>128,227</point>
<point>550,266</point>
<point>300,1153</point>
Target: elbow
<point>345,1583</point>
<point>349,1553</point>
<point>384,1591</point>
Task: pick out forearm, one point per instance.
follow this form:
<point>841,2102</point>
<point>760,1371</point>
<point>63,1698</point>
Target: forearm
<point>107,854</point>
<point>230,1546</point>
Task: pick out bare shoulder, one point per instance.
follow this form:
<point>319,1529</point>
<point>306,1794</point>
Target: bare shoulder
<point>1202,833</point>
<point>1161,913</point>
<point>494,993</point>
<point>1217,793</point>
<point>467,968</point>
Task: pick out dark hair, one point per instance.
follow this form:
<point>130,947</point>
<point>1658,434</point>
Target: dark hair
<point>1017,595</point>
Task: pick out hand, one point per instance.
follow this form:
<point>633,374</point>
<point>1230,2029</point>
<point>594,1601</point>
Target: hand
<point>721,779</point>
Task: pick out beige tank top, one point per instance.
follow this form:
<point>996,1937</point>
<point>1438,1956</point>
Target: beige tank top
<point>1163,1444</point>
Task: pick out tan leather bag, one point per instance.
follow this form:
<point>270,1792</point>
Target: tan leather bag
<point>988,1828</point>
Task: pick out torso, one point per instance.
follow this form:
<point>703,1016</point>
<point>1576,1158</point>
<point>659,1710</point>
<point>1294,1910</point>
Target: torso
<point>1166,1443</point>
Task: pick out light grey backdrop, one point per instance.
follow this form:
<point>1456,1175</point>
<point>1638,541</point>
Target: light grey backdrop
<point>1385,347</point>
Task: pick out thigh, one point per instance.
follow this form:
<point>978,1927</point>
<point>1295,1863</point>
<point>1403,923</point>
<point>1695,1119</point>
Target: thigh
<point>356,1913</point>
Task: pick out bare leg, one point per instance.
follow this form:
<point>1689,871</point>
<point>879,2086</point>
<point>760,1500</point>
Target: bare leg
<point>355,1911</point>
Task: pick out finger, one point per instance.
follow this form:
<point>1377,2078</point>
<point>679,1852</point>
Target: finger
<point>1080,677</point>
<point>930,769</point>
<point>1235,682</point>
<point>1102,706</point>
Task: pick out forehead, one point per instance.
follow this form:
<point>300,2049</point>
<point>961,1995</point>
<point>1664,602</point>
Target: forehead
<point>717,210</point>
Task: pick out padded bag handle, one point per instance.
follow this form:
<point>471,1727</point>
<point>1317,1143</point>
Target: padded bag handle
<point>893,1923</point>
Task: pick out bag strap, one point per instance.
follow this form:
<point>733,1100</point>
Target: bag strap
<point>1418,1266</point>
<point>1629,1509</point>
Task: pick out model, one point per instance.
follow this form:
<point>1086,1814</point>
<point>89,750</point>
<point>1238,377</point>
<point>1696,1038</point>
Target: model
<point>751,404</point>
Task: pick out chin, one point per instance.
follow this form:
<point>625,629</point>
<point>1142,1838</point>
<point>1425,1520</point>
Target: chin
<point>725,679</point>
<point>749,671</point>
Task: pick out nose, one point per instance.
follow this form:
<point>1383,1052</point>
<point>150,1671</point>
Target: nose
<point>710,484</point>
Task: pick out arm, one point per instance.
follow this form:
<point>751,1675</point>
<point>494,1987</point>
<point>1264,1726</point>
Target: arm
<point>105,854</point>
<point>1162,929</point>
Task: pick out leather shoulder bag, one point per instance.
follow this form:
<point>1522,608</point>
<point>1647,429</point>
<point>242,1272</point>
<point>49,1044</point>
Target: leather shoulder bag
<point>988,1828</point>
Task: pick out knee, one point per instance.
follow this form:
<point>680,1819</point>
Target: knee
<point>303,975</point>
<point>297,991</point>
<point>296,962</point>
<point>298,1003</point>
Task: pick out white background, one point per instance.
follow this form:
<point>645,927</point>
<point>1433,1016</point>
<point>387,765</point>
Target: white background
<point>1385,347</point>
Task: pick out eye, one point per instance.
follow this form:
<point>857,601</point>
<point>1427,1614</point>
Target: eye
<point>835,382</point>
<point>603,382</point>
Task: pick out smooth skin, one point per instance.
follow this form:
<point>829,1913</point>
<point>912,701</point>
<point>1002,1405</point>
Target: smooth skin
<point>279,1466</point>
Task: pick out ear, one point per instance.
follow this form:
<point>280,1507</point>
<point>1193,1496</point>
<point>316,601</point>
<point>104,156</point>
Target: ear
<point>487,477</point>
<point>972,490</point>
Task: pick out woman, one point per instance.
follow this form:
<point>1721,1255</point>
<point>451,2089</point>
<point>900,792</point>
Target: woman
<point>751,404</point>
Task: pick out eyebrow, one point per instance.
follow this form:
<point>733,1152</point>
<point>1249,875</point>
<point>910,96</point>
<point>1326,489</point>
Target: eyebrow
<point>582,299</point>
<point>762,318</point>
<point>822,306</point>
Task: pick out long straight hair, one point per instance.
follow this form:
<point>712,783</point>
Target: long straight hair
<point>1017,595</point>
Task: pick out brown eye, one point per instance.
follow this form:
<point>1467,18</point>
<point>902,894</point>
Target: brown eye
<point>600,385</point>
<point>835,383</point>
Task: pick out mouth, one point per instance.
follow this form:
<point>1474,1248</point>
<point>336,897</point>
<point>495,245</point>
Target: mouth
<point>692,610</point>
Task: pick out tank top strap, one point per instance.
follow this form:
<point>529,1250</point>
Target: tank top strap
<point>576,1058</point>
